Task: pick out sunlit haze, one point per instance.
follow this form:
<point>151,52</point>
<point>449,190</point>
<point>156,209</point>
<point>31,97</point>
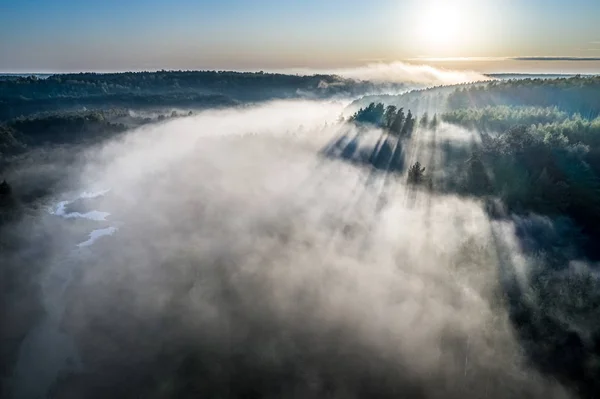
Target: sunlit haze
<point>441,27</point>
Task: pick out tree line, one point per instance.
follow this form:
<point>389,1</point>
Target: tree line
<point>578,94</point>
<point>27,95</point>
<point>19,134</point>
<point>502,117</point>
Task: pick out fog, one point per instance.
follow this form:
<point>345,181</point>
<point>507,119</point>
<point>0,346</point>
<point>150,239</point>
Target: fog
<point>224,251</point>
<point>402,72</point>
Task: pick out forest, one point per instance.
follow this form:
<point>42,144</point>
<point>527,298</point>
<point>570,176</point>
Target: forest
<point>538,151</point>
<point>73,127</point>
<point>23,96</point>
<point>578,94</point>
<point>542,160</point>
<point>389,118</point>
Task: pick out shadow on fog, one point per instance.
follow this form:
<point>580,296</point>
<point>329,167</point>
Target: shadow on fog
<point>385,155</point>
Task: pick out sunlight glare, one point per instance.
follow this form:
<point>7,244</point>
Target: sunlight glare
<point>440,26</point>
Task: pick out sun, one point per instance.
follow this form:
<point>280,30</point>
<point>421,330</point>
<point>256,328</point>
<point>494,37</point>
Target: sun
<point>439,27</point>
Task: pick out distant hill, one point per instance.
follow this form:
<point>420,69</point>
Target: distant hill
<point>22,96</point>
<point>575,95</point>
<point>433,99</point>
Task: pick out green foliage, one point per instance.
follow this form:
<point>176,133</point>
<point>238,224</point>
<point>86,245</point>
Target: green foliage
<point>398,123</point>
<point>374,114</point>
<point>390,115</point>
<point>390,118</point>
<point>62,128</point>
<point>573,130</point>
<point>574,95</point>
<point>539,153</point>
<point>550,124</point>
<point>409,125</point>
<point>502,118</point>
<point>539,169</point>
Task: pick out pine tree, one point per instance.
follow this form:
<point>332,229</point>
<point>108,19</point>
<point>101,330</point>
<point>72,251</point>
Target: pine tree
<point>398,123</point>
<point>478,180</point>
<point>434,122</point>
<point>389,116</point>
<point>373,114</point>
<point>416,174</point>
<point>409,124</point>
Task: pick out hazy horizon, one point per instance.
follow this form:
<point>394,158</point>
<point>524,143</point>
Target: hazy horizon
<point>531,65</point>
<point>484,36</point>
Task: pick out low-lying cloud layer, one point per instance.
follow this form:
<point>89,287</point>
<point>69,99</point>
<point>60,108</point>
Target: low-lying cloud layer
<point>402,72</point>
<point>247,265</point>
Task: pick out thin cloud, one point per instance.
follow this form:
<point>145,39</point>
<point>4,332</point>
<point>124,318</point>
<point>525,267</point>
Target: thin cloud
<point>556,58</point>
<point>399,72</point>
<point>454,59</point>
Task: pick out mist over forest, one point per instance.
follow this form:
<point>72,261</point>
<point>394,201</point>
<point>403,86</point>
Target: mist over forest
<point>394,231</point>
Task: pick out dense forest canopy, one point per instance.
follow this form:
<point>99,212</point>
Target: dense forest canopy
<point>502,117</point>
<point>70,127</point>
<point>540,148</point>
<point>578,94</point>
<point>22,96</point>
<point>88,84</point>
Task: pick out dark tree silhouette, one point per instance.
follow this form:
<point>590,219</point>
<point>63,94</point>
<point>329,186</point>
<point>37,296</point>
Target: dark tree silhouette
<point>409,125</point>
<point>390,115</point>
<point>416,174</point>
<point>434,122</point>
<point>578,94</point>
<point>24,96</point>
<point>478,180</point>
<point>5,189</point>
<point>7,202</point>
<point>373,114</point>
<point>398,123</point>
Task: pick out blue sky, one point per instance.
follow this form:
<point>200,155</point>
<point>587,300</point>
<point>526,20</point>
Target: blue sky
<point>68,35</point>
